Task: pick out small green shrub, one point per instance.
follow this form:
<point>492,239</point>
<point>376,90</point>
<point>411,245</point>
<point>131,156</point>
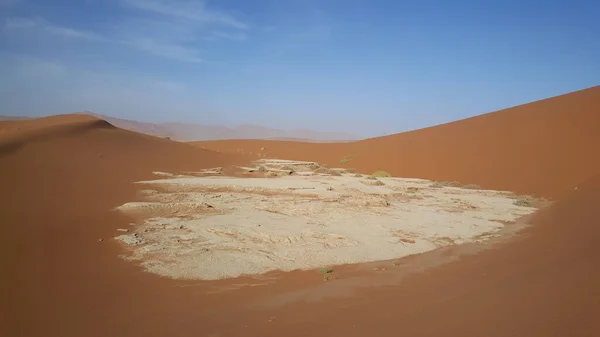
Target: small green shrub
<point>381,174</point>
<point>346,159</point>
<point>524,202</point>
<point>326,271</point>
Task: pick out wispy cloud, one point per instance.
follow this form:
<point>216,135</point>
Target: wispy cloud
<point>217,35</point>
<point>189,10</point>
<point>174,29</point>
<point>39,23</point>
<point>175,52</point>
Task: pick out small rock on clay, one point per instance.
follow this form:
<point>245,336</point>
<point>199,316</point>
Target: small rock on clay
<point>130,239</point>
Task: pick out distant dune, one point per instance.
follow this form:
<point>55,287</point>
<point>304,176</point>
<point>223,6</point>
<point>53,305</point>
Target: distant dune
<point>62,176</point>
<point>542,147</point>
<point>196,132</point>
<point>11,118</point>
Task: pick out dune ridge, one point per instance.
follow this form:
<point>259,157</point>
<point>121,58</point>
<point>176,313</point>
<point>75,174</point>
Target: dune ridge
<point>62,177</point>
<point>541,148</point>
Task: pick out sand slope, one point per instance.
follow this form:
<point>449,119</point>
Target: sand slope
<point>541,147</point>
<point>60,177</point>
<point>545,284</point>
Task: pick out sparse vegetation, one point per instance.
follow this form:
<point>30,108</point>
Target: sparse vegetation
<point>262,169</point>
<point>472,187</point>
<point>346,159</point>
<point>326,271</point>
<point>324,170</point>
<point>528,201</point>
<point>439,184</point>
<point>351,170</point>
<point>524,201</point>
<point>358,175</point>
<point>370,178</point>
<point>381,174</point>
<point>373,182</point>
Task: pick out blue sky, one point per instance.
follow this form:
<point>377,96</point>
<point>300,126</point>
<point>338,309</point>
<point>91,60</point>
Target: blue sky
<point>366,67</point>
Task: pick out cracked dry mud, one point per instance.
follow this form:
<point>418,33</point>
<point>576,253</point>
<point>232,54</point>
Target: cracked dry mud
<point>204,225</point>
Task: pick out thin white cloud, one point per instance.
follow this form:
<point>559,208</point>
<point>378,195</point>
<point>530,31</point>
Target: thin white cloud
<point>226,36</point>
<point>172,51</point>
<point>189,10</point>
<point>171,29</point>
<point>39,23</point>
<point>176,28</point>
<point>20,23</point>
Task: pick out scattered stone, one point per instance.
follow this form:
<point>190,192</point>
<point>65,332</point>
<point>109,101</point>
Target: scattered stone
<point>133,240</point>
<point>122,230</point>
<point>330,188</point>
<point>100,240</point>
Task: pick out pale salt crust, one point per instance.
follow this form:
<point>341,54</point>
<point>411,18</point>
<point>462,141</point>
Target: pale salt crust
<point>213,227</point>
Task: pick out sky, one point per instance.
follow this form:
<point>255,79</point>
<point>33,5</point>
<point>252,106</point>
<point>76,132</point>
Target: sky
<point>367,67</point>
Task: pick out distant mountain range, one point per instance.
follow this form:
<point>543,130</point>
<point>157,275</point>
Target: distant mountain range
<point>11,118</point>
<point>197,132</point>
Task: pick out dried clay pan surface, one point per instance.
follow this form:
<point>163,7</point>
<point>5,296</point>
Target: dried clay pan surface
<point>213,226</point>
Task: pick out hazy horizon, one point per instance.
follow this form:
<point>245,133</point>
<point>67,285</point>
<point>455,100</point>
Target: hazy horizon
<point>367,68</point>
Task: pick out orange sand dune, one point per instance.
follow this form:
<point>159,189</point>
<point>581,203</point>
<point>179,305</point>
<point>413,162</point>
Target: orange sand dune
<point>542,147</point>
<point>60,178</point>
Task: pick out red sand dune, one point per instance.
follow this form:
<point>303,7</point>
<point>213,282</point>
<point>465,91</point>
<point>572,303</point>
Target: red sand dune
<point>61,176</point>
<point>542,147</point>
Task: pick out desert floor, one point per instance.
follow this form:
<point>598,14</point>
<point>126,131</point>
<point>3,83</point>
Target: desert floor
<point>72,184</point>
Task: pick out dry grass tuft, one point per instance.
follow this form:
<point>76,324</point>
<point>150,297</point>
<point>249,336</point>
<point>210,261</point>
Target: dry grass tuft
<point>346,159</point>
<point>439,184</point>
<point>381,174</point>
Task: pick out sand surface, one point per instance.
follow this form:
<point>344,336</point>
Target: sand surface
<point>218,227</point>
<point>540,148</point>
<point>62,178</point>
